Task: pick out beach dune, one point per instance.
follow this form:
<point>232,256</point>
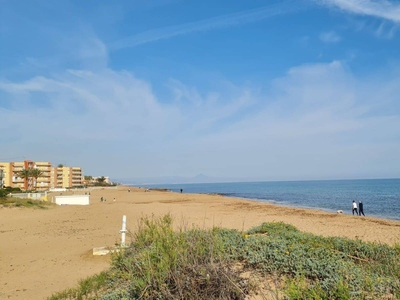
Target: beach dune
<point>46,251</point>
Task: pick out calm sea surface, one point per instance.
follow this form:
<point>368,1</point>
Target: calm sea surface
<point>381,197</point>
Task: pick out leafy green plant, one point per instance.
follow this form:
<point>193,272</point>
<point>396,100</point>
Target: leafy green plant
<point>161,263</point>
<point>332,267</point>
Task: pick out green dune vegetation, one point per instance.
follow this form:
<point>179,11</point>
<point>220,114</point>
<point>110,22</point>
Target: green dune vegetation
<point>7,201</point>
<point>272,261</point>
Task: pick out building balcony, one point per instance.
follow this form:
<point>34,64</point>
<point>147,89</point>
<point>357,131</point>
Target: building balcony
<point>18,181</point>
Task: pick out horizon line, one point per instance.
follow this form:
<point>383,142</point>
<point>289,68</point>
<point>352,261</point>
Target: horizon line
<point>254,181</point>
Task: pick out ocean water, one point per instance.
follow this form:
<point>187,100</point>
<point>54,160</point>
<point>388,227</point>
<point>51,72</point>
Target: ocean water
<point>381,197</point>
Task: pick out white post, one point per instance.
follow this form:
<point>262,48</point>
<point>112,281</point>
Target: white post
<point>123,231</point>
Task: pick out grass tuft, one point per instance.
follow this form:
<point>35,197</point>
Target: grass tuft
<point>28,203</point>
<point>162,263</point>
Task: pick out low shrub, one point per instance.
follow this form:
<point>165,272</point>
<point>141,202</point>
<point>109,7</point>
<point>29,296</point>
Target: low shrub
<point>7,190</point>
<point>161,263</point>
<point>330,267</point>
<point>3,193</point>
<point>28,203</point>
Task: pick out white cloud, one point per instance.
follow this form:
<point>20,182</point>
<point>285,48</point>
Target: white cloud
<point>86,109</point>
<point>329,37</point>
<point>389,10</point>
<point>318,121</point>
<point>386,30</point>
<point>112,99</point>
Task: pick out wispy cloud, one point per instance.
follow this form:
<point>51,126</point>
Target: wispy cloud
<point>320,119</point>
<point>329,37</point>
<point>316,121</point>
<point>389,10</point>
<point>234,19</point>
<point>386,30</point>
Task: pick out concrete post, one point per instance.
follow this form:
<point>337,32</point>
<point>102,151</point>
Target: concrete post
<point>123,231</point>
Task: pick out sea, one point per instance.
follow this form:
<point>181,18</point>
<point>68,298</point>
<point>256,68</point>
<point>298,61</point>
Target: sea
<point>381,197</point>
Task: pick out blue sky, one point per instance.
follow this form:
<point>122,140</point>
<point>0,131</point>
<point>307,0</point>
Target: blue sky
<point>245,90</point>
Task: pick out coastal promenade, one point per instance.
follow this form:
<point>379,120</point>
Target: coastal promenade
<point>45,251</point>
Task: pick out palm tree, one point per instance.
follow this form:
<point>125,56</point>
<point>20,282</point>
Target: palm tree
<point>101,180</point>
<point>35,173</point>
<point>24,174</point>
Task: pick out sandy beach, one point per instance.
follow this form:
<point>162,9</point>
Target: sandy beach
<point>45,251</point>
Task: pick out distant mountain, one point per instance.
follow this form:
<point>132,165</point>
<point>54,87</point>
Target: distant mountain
<point>203,178</point>
<point>200,178</point>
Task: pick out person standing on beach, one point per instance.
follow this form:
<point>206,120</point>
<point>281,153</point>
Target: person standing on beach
<point>355,208</point>
<point>360,208</point>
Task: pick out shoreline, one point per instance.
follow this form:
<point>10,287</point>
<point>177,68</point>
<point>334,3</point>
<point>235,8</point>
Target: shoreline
<point>277,203</point>
<point>47,251</point>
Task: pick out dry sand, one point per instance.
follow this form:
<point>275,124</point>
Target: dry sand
<point>45,251</point>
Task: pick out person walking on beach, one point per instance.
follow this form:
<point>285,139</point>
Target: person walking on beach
<point>355,208</point>
<point>360,208</point>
